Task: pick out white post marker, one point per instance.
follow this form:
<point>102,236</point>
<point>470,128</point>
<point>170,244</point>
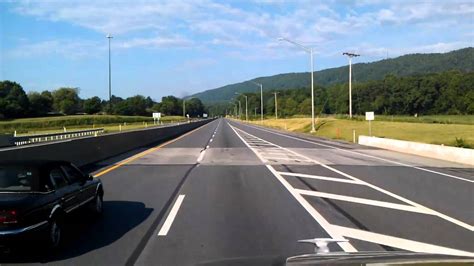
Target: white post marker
<point>369,116</point>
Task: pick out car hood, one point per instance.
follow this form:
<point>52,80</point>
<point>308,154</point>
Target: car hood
<point>333,258</point>
<point>375,257</point>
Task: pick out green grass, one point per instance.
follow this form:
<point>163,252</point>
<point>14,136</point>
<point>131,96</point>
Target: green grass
<point>432,119</point>
<point>77,122</point>
<point>433,133</point>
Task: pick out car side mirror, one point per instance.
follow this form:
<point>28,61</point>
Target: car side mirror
<point>90,177</point>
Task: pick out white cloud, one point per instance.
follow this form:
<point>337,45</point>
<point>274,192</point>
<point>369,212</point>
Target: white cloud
<point>369,50</point>
<point>72,49</point>
<point>156,42</point>
<point>242,28</point>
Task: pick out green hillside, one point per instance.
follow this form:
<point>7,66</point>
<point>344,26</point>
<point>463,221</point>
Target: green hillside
<point>407,65</point>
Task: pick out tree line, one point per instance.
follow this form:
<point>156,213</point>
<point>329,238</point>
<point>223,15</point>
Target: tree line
<point>449,92</point>
<point>16,103</point>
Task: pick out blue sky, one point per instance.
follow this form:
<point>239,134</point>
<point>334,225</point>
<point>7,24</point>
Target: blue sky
<point>182,47</point>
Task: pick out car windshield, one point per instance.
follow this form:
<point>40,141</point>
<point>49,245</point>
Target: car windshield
<point>15,178</point>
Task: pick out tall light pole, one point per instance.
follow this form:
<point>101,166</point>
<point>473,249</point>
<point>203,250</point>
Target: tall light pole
<point>240,110</point>
<point>110,76</point>
<point>261,99</point>
<point>350,55</point>
<point>310,51</point>
<point>246,106</point>
<point>235,110</point>
<point>184,105</point>
<point>235,107</point>
<point>276,105</point>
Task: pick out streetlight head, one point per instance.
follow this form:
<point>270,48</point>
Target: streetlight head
<point>350,54</point>
<point>109,36</point>
<point>281,39</point>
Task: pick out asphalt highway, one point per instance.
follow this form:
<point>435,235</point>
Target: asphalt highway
<point>230,193</point>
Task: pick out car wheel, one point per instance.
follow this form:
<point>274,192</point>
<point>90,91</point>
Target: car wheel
<point>54,233</point>
<point>97,205</point>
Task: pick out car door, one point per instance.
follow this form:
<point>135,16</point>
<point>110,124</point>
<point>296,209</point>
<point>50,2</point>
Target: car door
<point>67,194</point>
<point>77,179</point>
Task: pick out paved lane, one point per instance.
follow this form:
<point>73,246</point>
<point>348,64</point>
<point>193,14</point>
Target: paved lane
<point>136,194</point>
<point>228,192</point>
<point>391,200</point>
<point>234,208</point>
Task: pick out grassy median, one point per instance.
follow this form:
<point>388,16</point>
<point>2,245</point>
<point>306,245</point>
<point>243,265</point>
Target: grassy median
<point>56,124</point>
<point>460,135</point>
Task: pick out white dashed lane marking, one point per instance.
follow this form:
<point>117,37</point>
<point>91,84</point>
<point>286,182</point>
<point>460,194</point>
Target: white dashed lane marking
<point>171,216</point>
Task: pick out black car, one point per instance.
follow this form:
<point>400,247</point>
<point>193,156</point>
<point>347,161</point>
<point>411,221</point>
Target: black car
<point>36,196</point>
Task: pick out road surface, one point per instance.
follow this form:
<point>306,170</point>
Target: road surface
<point>230,191</point>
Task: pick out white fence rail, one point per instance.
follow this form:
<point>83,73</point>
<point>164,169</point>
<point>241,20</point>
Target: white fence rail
<point>25,140</point>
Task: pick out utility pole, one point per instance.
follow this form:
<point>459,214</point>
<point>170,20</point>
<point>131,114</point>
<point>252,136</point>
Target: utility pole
<point>110,76</point>
<point>276,105</point>
<point>240,110</point>
<point>261,102</point>
<point>246,106</point>
<point>184,107</point>
<point>310,51</point>
<point>261,98</point>
<point>350,55</point>
<point>235,109</point>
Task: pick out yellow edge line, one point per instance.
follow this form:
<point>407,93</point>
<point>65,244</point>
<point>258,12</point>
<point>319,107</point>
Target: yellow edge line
<point>143,153</point>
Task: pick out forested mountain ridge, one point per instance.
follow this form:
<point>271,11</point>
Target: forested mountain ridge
<point>406,65</point>
<point>444,93</point>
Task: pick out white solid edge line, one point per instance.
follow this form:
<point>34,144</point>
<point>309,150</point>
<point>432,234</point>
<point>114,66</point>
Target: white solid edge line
<point>397,242</point>
<point>378,203</point>
<point>366,155</point>
<point>346,246</point>
<point>335,179</point>
<point>441,215</point>
<point>169,220</point>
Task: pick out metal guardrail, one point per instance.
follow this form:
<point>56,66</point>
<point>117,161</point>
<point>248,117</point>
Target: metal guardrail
<point>25,140</point>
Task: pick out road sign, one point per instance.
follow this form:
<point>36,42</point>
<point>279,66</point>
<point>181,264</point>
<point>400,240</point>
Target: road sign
<point>204,115</point>
<point>369,116</point>
<point>156,117</point>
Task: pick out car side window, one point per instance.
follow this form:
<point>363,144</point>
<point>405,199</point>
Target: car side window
<point>73,175</point>
<point>58,178</point>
